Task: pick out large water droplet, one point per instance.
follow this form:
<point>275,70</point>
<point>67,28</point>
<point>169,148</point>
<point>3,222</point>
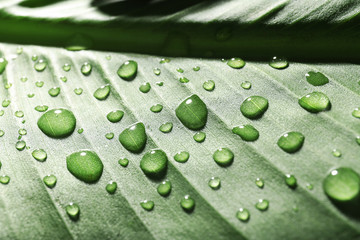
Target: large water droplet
<point>236,63</point>
<point>115,116</point>
<point>187,203</point>
<point>154,163</point>
<point>262,204</point>
<point>278,63</point>
<point>85,165</point>
<point>291,142</point>
<point>290,180</point>
<point>57,123</point>
<point>128,70</point>
<point>254,107</point>
<point>315,102</point>
<point>50,181</point>
<point>342,184</point>
<point>73,211</point>
<point>40,65</point>
<point>39,154</point>
<point>147,205</point>
<point>111,187</point>
<point>134,137</point>
<point>192,112</point>
<point>164,188</point>
<point>246,132</point>
<point>86,69</point>
<point>214,183</point>
<point>243,214</point>
<point>223,156</point>
<point>316,78</point>
<point>102,92</point>
<point>182,156</point>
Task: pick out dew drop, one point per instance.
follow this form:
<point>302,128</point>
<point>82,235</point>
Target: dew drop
<point>19,114</point>
<point>356,113</point>
<point>336,153</point>
<point>39,155</point>
<point>80,130</point>
<point>3,64</point>
<point>182,156</point>
<point>73,211</point>
<point>262,204</point>
<point>223,156</point>
<point>23,79</point>
<point>278,63</point>
<point>357,140</point>
<point>57,123</point>
<point>254,107</point>
<point>246,85</point>
<point>291,142</point>
<point>40,65</point>
<point>34,57</point>
<point>20,145</point>
<point>128,70</point>
<point>111,187</point>
<point>164,188</point>
<point>236,63</point>
<point>78,91</point>
<point>243,214</point>
<point>259,182</point>
<point>134,137</point>
<point>165,60</point>
<point>154,163</point>
<point>156,108</point>
<point>145,87</point>
<point>50,181</point>
<point>147,205</point>
<point>102,92</point>
<point>109,135</point>
<point>39,84</point>
<point>115,116</point>
<point>246,132</point>
<point>157,71</point>
<point>66,67</point>
<point>209,85</point>
<point>160,84</point>
<point>199,137</point>
<point>22,132</point>
<point>290,180</point>
<point>214,183</point>
<point>123,162</point>
<point>180,70</point>
<point>316,78</point>
<point>2,112</point>
<point>309,186</point>
<point>86,69</point>
<point>315,102</point>
<point>55,91</point>
<point>4,179</point>
<point>196,68</point>
<point>63,78</point>
<point>187,203</point>
<point>184,80</point>
<point>2,133</point>
<point>166,127</point>
<point>41,108</point>
<point>6,103</point>
<point>192,112</point>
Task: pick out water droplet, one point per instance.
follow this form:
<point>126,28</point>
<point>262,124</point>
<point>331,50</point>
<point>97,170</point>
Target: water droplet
<point>166,127</point>
<point>109,135</point>
<point>290,180</point>
<point>34,57</point>
<point>23,79</point>
<point>2,112</point>
<point>3,64</point>
<point>145,87</point>
<point>123,162</point>
<point>128,70</point>
<point>22,131</point>
<point>8,85</point>
<point>246,132</point>
<point>278,63</point>
<point>134,137</point>
<point>86,69</point>
<point>209,85</point>
<point>80,130</point>
<point>342,184</point>
<point>157,71</point>
<point>315,102</point>
<point>316,78</point>
<point>4,179</point>
<point>336,153</point>
<point>6,103</point>
<point>262,204</point>
<point>214,183</point>
<point>165,60</point>
<point>57,123</point>
<point>115,116</point>
<point>39,84</point>
<point>309,186</point>
<point>2,133</point>
<point>156,108</point>
<point>55,91</point>
<point>108,57</point>
<point>223,156</point>
<point>39,154</point>
<point>63,78</point>
<point>182,156</point>
<point>259,182</point>
<point>192,112</point>
<point>19,50</point>
<point>160,84</point>
<point>356,113</point>
<point>73,211</point>
<point>187,203</point>
<point>102,92</point>
<point>164,188</point>
<point>196,68</point>
<point>246,85</point>
<point>180,70</point>
<point>50,181</point>
<point>111,187</point>
<point>19,114</point>
<point>20,145</point>
<point>236,63</point>
<point>199,137</point>
<point>254,107</point>
<point>184,80</point>
<point>66,67</point>
<point>85,165</point>
<point>78,91</point>
<point>243,214</point>
<point>357,140</point>
<point>40,65</point>
<point>154,163</point>
<point>291,142</point>
<point>41,108</point>
<point>147,205</point>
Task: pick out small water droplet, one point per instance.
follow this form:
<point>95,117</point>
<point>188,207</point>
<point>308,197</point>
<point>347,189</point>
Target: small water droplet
<point>147,205</point>
<point>214,183</point>
<point>209,85</point>
<point>246,85</point>
<point>40,65</point>
<point>102,92</point>
<point>41,108</point>
<point>23,79</point>
<point>109,135</point>
<point>22,131</point>
<point>166,127</point>
<point>115,116</point>
<point>316,78</point>
<point>356,113</point>
<point>164,188</point>
<point>123,162</point>
<point>154,163</point>
<point>180,70</point>
<point>145,87</point>
<point>184,80</point>
<point>192,112</point>
<point>309,186</point>
<point>39,155</point>
<point>73,211</point>
<point>57,123</point>
<point>199,137</point>
<point>80,130</point>
<point>259,182</point>
<point>243,214</point>
<point>290,180</point>
<point>111,187</point>
<point>39,84</point>
<point>19,50</point>
<point>336,153</point>
<point>63,78</point>
<point>196,68</point>
<point>342,184</point>
<point>262,204</point>
<point>78,91</point>
<point>66,67</point>
<point>291,142</point>
<point>54,92</point>
<point>236,63</point>
<point>254,107</point>
<point>50,181</point>
<point>4,179</point>
<point>86,69</point>
<point>19,114</point>
<point>156,108</point>
<point>165,60</point>
<point>34,57</point>
<point>246,132</point>
<point>2,133</point>
<point>134,137</point>
<point>20,145</point>
<point>128,70</point>
<point>223,156</point>
<point>278,63</point>
<point>315,102</point>
<point>31,95</point>
<point>108,57</point>
<point>160,84</point>
<point>85,165</point>
<point>357,140</point>
<point>6,103</point>
<point>3,64</point>
<point>187,203</point>
<point>8,85</point>
<point>157,71</point>
<point>182,157</point>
